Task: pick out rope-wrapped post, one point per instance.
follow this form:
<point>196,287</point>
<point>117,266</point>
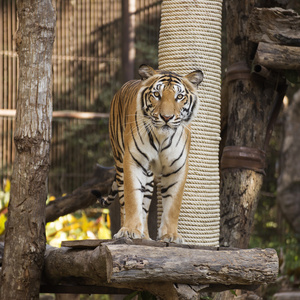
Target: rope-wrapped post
<point>190,39</point>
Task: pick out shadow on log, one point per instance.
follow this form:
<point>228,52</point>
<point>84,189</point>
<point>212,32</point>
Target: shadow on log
<point>82,197</point>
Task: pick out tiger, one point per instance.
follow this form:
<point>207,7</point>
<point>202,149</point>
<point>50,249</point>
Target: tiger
<point>150,134</point>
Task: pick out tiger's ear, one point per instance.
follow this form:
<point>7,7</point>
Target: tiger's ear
<point>146,71</point>
<point>195,77</point>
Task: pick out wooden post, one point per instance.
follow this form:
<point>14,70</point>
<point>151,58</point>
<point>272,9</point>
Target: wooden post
<point>25,228</point>
<point>250,107</point>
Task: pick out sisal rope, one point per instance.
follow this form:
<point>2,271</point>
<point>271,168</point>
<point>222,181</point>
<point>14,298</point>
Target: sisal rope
<point>190,39</point>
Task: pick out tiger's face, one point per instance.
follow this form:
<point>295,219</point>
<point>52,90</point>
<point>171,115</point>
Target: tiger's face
<point>167,99</point>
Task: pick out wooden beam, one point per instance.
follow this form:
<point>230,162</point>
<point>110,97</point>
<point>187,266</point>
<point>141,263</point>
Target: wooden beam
<point>274,25</point>
<point>11,113</point>
<point>120,263</point>
<point>277,56</point>
<point>190,266</point>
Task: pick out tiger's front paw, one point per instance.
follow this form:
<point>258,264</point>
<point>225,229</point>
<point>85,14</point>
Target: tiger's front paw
<point>129,233</point>
<point>172,238</point>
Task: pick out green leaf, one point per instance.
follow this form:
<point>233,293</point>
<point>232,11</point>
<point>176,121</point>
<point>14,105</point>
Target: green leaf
<point>131,296</point>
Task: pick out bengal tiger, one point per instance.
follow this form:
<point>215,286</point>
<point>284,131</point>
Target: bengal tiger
<point>150,135</point>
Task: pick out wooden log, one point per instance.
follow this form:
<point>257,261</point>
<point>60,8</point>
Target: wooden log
<point>88,265</point>
<point>274,25</point>
<point>277,56</point>
<point>62,114</point>
<point>128,263</point>
<point>190,266</point>
<point>82,197</point>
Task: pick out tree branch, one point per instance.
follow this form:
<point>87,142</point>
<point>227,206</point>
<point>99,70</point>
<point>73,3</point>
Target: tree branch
<point>82,197</point>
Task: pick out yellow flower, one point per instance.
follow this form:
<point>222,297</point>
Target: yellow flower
<point>7,186</point>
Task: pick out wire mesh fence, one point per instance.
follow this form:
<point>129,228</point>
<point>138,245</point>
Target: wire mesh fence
<point>87,71</point>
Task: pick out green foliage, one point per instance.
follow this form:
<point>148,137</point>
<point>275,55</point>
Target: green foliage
<point>141,296</point>
<point>270,228</point>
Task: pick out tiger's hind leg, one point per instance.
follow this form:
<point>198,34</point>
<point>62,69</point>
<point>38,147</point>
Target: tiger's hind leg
<point>119,179</point>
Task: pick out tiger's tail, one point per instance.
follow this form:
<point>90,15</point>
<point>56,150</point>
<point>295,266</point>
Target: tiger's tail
<point>107,201</point>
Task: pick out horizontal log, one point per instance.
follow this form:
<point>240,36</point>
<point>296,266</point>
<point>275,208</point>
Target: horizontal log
<point>82,197</point>
<point>274,25</point>
<point>277,57</point>
<point>62,114</point>
<point>130,264</point>
<point>190,266</point>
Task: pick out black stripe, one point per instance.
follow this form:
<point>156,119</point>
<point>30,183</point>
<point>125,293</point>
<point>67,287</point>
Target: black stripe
<point>180,136</point>
<point>119,169</point>
<point>139,164</point>
<point>176,171</point>
<point>138,129</point>
<point>164,190</point>
<point>137,147</point>
<point>151,139</point>
<point>180,155</point>
<point>155,137</point>
<point>170,141</point>
<point>190,112</point>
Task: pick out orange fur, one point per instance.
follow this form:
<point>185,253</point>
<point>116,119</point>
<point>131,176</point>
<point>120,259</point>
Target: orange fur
<point>150,136</point>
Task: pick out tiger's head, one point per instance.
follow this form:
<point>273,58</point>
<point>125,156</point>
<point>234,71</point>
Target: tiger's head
<point>168,99</point>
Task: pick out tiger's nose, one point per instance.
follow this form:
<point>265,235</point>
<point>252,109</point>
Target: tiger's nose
<point>166,118</point>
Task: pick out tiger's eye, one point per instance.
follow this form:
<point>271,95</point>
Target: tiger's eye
<point>180,96</point>
<point>156,94</point>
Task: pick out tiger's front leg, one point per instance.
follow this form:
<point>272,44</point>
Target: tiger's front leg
<point>172,187</point>
<point>135,176</point>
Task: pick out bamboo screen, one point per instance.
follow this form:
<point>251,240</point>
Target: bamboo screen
<point>87,71</point>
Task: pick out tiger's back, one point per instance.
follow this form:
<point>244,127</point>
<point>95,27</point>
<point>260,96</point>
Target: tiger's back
<point>150,137</point>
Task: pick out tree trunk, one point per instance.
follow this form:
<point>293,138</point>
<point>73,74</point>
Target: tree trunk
<point>25,229</point>
<point>254,102</point>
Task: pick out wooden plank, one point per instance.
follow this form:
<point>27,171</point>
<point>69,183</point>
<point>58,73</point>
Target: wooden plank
<point>274,25</point>
<point>277,56</point>
<point>85,244</point>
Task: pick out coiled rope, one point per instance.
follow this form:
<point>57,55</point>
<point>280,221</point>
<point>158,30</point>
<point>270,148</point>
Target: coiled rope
<point>190,39</point>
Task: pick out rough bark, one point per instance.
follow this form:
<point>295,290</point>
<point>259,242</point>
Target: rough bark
<point>288,189</point>
<point>190,266</point>
<point>278,56</point>
<point>250,107</point>
<point>25,229</point>
<point>274,25</point>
